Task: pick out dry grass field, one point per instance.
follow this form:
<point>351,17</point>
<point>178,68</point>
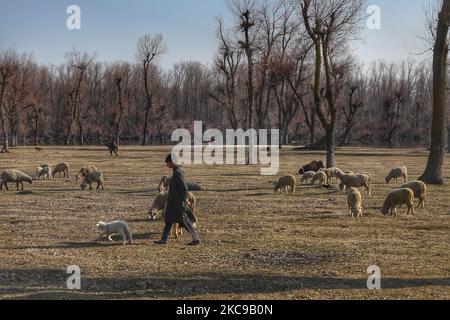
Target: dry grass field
<point>256,245</point>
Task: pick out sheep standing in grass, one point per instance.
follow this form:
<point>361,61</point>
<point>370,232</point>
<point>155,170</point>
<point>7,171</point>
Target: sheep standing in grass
<point>331,173</point>
<point>398,172</point>
<point>117,227</point>
<point>43,172</point>
<point>355,181</point>
<point>15,176</point>
<point>62,168</point>
<point>92,178</point>
<point>285,183</point>
<point>307,176</point>
<point>354,201</point>
<point>85,171</point>
<point>159,205</point>
<point>164,185</point>
<point>160,202</point>
<point>397,198</point>
<point>319,179</point>
<point>420,191</point>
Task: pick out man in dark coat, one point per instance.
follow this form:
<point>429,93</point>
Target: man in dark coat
<point>112,146</point>
<point>177,205</point>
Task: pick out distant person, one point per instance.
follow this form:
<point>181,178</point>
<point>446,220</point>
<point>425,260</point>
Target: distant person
<point>113,148</point>
<point>177,205</point>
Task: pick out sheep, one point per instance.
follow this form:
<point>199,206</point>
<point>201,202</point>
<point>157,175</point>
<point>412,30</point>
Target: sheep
<point>331,173</point>
<point>320,178</point>
<point>397,198</point>
<point>420,191</point>
<point>117,227</point>
<point>61,168</point>
<point>85,171</point>
<point>92,177</point>
<point>159,204</point>
<point>286,183</point>
<point>44,172</point>
<point>164,185</point>
<point>398,172</point>
<point>355,181</point>
<point>312,166</point>
<point>14,176</point>
<point>354,201</point>
<point>307,176</point>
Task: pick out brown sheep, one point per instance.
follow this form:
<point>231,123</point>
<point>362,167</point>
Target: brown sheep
<point>420,191</point>
<point>397,198</point>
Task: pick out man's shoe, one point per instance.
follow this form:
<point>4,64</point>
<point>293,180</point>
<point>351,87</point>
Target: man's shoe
<point>194,243</point>
<point>160,242</point>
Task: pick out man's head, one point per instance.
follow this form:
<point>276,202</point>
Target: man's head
<point>170,161</point>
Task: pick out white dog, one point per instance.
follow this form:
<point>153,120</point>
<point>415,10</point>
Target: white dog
<point>117,227</point>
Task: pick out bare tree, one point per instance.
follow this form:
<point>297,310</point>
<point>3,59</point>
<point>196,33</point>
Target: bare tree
<point>434,171</point>
<point>149,48</point>
<point>329,24</point>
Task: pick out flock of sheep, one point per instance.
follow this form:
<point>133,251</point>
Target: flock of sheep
<point>313,173</point>
<point>350,183</point>
<point>90,175</point>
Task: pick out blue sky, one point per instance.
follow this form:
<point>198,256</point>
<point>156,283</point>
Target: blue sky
<point>112,27</point>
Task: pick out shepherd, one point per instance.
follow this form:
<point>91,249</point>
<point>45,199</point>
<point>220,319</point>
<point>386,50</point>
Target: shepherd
<point>178,206</point>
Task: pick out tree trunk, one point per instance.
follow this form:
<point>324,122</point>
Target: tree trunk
<point>434,171</point>
<point>448,139</point>
<point>331,148</point>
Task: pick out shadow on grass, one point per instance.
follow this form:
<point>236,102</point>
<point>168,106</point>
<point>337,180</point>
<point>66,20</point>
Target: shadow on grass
<point>51,283</point>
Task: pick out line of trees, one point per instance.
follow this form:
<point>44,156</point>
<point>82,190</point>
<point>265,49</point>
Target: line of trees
<point>280,64</point>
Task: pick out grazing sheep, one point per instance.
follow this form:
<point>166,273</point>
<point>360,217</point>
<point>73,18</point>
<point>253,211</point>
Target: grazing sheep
<point>43,172</point>
<point>354,201</point>
<point>160,202</point>
<point>62,168</point>
<point>355,181</point>
<point>320,178</point>
<point>398,172</point>
<point>307,176</point>
<point>92,177</point>
<point>420,191</point>
<point>398,198</point>
<point>14,176</point>
<point>164,185</point>
<point>285,183</point>
<point>312,166</point>
<point>117,227</point>
<point>331,173</point>
<point>85,171</point>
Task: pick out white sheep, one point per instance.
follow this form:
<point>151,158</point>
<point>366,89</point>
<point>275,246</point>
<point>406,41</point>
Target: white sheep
<point>354,201</point>
<point>117,227</point>
<point>307,176</point>
<point>397,198</point>
<point>85,171</point>
<point>319,179</point>
<point>62,168</point>
<point>96,176</point>
<point>331,173</point>
<point>355,181</point>
<point>15,176</point>
<point>286,183</point>
<point>398,172</point>
<point>43,172</point>
<point>420,191</point>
